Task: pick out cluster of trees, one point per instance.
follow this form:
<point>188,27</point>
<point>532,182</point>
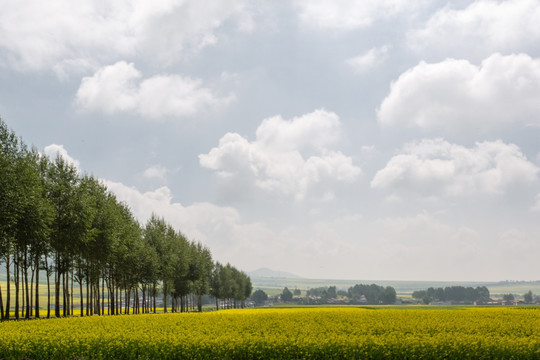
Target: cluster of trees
<point>324,293</point>
<point>358,294</point>
<point>528,298</point>
<point>454,294</point>
<point>67,226</point>
<point>374,294</point>
<point>259,297</point>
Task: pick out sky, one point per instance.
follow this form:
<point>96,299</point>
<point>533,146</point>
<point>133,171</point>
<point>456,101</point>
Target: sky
<point>391,139</point>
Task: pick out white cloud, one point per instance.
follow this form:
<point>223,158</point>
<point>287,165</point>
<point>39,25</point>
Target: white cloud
<point>484,26</point>
<point>351,15</point>
<point>191,220</point>
<point>438,168</point>
<point>219,228</point>
<point>292,158</point>
<point>330,248</point>
<point>117,88</point>
<point>156,172</point>
<point>38,35</point>
<point>53,150</point>
<point>457,95</point>
<point>363,63</point>
<point>111,89</point>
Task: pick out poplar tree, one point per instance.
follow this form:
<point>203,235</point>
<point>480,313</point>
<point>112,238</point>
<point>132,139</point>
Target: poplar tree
<point>8,204</point>
<point>71,226</point>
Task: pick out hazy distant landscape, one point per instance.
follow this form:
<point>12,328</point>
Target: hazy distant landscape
<point>274,281</point>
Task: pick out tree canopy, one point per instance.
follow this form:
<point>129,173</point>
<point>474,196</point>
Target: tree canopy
<point>56,221</point>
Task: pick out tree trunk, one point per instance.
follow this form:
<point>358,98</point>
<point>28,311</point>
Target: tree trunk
<point>57,288</point>
<point>88,293</point>
<point>144,299</point>
<point>48,287</point>
<point>136,300</point>
<point>64,295</point>
<point>154,297</point>
<point>8,291</point>
<point>17,289</point>
<point>23,293</point>
<point>37,288</point>
<point>82,297</point>
<point>27,315</point>
<point>165,298</point>
<point>71,294</point>
<point>1,305</point>
<point>32,308</point>
<point>103,296</point>
<point>127,301</point>
<point>110,308</point>
<point>98,305</point>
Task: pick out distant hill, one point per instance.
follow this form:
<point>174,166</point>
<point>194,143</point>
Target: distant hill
<point>269,273</point>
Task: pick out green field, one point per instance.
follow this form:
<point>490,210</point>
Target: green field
<point>284,333</point>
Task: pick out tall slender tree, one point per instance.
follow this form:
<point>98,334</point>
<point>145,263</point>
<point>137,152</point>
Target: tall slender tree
<point>8,203</point>
<point>70,226</point>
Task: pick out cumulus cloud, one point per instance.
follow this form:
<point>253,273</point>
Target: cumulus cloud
<point>457,95</point>
<point>57,34</point>
<point>189,219</point>
<point>434,167</point>
<point>290,157</point>
<point>220,228</point>
<point>363,63</point>
<point>120,87</point>
<point>54,150</point>
<point>351,15</point>
<point>484,26</point>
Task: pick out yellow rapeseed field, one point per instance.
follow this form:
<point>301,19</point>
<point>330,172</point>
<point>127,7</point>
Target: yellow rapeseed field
<point>295,333</point>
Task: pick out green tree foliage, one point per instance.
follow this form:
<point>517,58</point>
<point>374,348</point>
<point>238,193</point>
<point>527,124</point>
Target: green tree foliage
<point>528,297</point>
<point>67,226</point>
<point>373,294</point>
<point>286,295</point>
<point>9,204</point>
<point>508,297</point>
<point>320,295</point>
<point>229,286</point>
<point>453,294</point>
<point>259,297</point>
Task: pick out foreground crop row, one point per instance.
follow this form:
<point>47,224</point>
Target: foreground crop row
<point>377,333</point>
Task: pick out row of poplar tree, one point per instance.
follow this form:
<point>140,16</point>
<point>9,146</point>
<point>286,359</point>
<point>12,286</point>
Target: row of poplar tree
<point>67,227</point>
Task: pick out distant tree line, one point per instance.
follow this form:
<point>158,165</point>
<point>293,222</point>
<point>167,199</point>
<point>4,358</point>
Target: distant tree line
<point>358,294</point>
<point>70,228</point>
<point>454,294</point>
<point>374,294</point>
<point>528,298</point>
